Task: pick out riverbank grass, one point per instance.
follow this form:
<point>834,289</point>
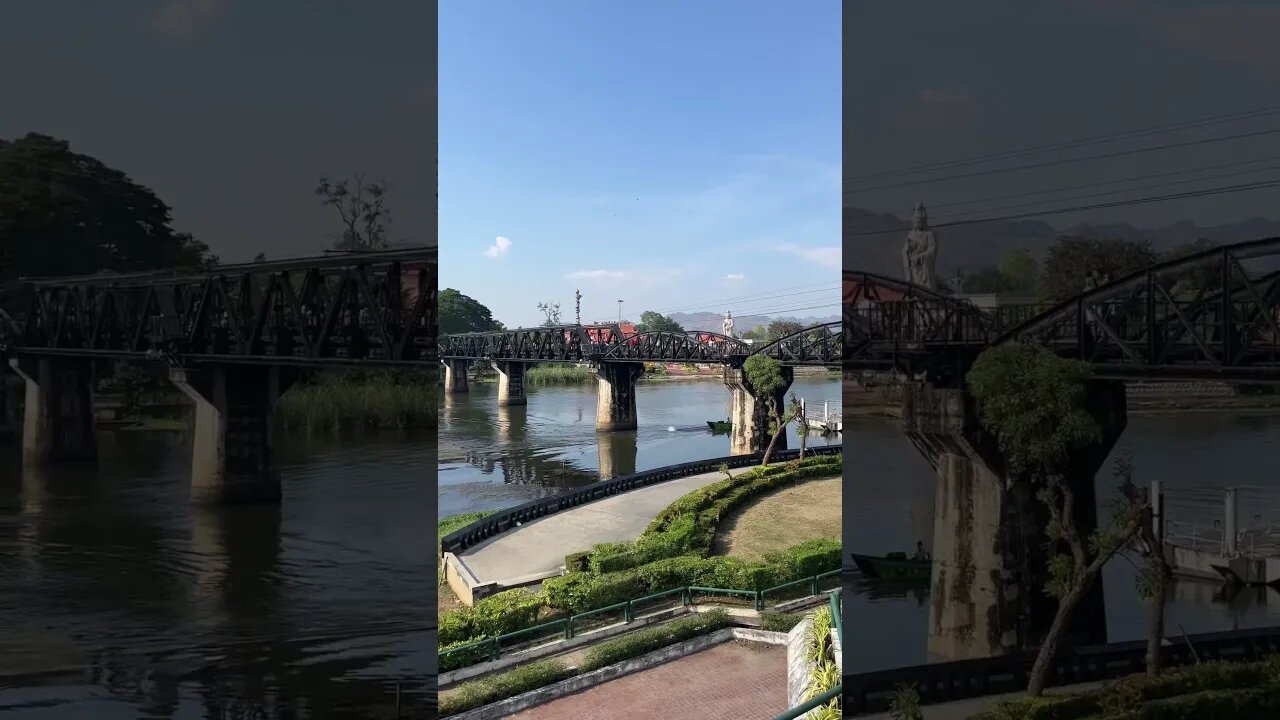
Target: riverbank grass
<point>341,404</point>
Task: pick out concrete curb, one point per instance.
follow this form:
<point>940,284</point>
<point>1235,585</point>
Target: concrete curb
<point>543,695</point>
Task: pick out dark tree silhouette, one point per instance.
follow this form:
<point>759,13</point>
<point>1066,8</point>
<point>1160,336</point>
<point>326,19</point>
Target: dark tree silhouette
<point>65,213</point>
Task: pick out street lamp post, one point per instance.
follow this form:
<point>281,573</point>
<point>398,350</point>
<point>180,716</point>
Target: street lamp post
<point>619,311</point>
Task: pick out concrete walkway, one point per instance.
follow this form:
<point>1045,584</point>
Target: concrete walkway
<point>536,550</point>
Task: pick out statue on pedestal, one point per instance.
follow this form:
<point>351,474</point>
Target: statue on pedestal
<point>727,324</point>
<point>920,251</point>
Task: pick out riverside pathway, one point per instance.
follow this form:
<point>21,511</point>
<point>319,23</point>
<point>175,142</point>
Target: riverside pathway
<point>536,550</point>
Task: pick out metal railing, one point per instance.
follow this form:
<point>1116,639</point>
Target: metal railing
<point>504,520</point>
<point>813,704</point>
<point>491,648</point>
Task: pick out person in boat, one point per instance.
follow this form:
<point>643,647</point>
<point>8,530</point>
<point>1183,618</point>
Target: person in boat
<point>921,553</point>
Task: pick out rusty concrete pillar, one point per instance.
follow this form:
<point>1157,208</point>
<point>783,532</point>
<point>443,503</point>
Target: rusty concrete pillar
<point>616,400</point>
<point>58,423</point>
<point>749,413</point>
<point>455,376</point>
<point>511,383</point>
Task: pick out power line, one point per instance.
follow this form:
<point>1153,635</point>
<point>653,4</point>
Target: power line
<point>1101,183</point>
<point>1068,161</point>
<point>1104,193</point>
<point>1094,140</point>
<point>1079,208</point>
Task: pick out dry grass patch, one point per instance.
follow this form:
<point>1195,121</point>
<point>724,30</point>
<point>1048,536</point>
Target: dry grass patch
<point>809,510</point>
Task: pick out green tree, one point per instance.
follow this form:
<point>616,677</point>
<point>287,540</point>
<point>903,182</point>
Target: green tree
<point>1187,282</point>
<point>651,321</point>
<point>1155,575</point>
<point>802,423</point>
<point>1072,259</point>
<point>780,329</point>
<point>765,376</point>
<point>362,207</point>
<point>985,280</point>
<point>462,314</point>
<point>1035,405</point>
<point>1021,271</point>
<point>65,213</point>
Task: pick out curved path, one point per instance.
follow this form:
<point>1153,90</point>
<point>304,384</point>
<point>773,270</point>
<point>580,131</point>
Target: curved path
<point>535,551</point>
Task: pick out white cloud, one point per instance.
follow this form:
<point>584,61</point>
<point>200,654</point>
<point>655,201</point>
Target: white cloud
<point>826,256</point>
<point>735,276</point>
<point>180,18</point>
<point>499,248</point>
<point>597,274</point>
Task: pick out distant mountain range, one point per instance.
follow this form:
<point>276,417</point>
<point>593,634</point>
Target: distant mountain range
<point>970,247</point>
<point>712,322</point>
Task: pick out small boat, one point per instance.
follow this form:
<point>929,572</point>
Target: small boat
<point>719,426</point>
<point>894,566</point>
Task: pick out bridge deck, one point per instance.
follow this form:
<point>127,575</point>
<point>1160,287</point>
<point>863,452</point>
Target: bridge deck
<point>536,550</point>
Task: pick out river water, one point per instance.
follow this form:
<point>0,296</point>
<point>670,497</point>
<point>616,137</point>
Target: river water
<point>119,600</point>
<point>888,505</point>
<point>493,457</point>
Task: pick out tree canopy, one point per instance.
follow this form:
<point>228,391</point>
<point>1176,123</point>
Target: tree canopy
<point>66,213</point>
<point>1072,259</point>
<point>780,329</point>
<point>651,321</point>
<point>462,314</point>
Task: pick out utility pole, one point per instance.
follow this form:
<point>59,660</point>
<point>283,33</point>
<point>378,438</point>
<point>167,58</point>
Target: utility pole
<point>619,312</point>
<point>577,306</point>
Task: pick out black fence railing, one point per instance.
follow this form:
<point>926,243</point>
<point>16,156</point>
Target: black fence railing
<point>942,682</point>
<point>504,520</point>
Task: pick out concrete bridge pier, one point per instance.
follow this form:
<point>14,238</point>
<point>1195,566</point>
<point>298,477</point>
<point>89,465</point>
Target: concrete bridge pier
<point>455,376</point>
<point>616,396</point>
<point>989,557</point>
<point>233,458</point>
<point>749,413</point>
<point>58,422</point>
<point>510,383</point>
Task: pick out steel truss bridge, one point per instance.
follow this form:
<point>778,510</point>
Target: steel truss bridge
<point>1214,315</point>
<point>819,345</point>
<point>369,308</point>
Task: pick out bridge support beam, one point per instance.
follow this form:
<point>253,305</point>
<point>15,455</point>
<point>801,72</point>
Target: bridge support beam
<point>511,383</point>
<point>616,396</point>
<point>455,376</point>
<point>749,413</point>
<point>233,457</point>
<point>989,558</point>
<point>58,423</point>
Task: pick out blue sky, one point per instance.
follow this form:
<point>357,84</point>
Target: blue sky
<point>674,155</point>
<point>231,110</point>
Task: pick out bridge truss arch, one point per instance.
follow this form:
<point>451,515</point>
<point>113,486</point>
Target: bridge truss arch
<point>819,345</point>
<point>692,346</point>
<point>1211,315</point>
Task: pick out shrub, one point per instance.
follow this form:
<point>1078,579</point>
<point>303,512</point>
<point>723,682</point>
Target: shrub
<point>808,558</point>
<point>649,639</point>
<point>577,562</point>
<point>1045,707</point>
<point>1241,704</point>
<point>779,622</point>
<point>499,614</point>
<point>470,656</point>
<point>500,687</point>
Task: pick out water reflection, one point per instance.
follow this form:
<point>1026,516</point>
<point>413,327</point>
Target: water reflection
<point>493,457</point>
<point>889,501</point>
<point>121,600</point>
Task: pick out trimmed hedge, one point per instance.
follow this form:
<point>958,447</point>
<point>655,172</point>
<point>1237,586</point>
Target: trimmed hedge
<point>500,687</point>
<point>498,614</point>
<point>638,643</point>
<point>579,592</point>
<point>688,525</point>
<point>1218,690</point>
